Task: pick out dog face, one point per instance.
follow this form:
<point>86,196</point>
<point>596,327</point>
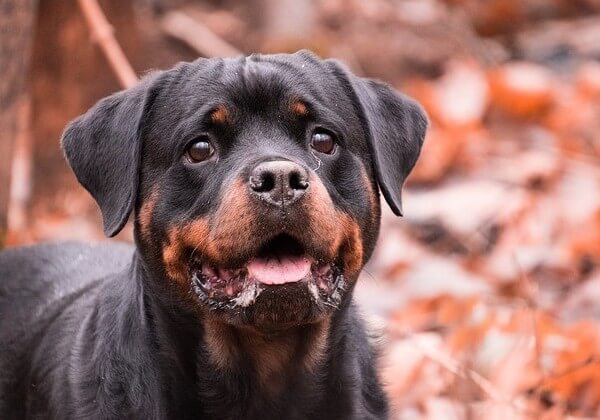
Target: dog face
<point>254,180</point>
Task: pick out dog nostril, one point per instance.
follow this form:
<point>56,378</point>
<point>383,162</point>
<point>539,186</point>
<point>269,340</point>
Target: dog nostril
<point>297,181</point>
<point>263,182</point>
<point>278,182</point>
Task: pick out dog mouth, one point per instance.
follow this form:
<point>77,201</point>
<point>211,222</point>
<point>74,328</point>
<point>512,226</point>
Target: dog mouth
<point>282,263</point>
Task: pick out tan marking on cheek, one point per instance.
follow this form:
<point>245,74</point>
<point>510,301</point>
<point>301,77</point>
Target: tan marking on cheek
<point>220,115</point>
<point>171,258</point>
<point>192,235</point>
<point>373,197</point>
<point>146,213</point>
<point>335,228</point>
<point>234,221</point>
<point>324,219</point>
<point>232,225</point>
<point>299,108</point>
<point>352,246</point>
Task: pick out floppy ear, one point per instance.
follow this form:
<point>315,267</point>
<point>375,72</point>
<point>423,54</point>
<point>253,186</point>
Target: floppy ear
<point>103,147</point>
<point>395,127</point>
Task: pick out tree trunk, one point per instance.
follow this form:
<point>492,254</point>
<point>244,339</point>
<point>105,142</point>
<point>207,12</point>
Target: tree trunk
<point>16,22</point>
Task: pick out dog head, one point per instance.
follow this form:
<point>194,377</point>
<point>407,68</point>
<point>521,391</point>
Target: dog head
<point>254,180</point>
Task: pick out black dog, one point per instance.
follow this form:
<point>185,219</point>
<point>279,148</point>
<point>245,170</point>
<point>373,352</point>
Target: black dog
<point>254,182</point>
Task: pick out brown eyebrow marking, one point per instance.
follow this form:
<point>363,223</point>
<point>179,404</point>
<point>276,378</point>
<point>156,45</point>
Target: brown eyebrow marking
<point>299,107</point>
<point>220,115</point>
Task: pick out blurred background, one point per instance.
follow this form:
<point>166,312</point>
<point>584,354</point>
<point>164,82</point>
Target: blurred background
<point>485,297</point>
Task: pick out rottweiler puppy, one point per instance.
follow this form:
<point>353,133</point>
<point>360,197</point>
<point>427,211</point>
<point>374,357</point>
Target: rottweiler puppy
<point>255,183</point>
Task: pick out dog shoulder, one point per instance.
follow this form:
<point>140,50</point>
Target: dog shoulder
<point>29,271</point>
<point>40,281</point>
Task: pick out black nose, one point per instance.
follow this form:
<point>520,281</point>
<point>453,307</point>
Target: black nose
<point>278,182</point>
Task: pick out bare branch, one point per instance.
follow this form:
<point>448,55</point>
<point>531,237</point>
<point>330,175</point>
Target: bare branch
<point>188,30</point>
<point>102,33</point>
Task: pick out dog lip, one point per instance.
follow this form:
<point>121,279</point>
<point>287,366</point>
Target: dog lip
<point>230,288</point>
<point>278,264</point>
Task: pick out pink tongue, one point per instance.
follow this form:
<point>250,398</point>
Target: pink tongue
<point>279,271</point>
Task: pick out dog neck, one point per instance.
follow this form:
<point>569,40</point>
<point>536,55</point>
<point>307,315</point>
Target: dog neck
<point>270,357</point>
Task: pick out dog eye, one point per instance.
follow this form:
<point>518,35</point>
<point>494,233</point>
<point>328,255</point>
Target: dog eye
<point>323,142</point>
<point>199,150</point>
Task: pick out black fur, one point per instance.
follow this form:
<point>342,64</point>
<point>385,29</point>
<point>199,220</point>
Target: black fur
<point>100,332</point>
